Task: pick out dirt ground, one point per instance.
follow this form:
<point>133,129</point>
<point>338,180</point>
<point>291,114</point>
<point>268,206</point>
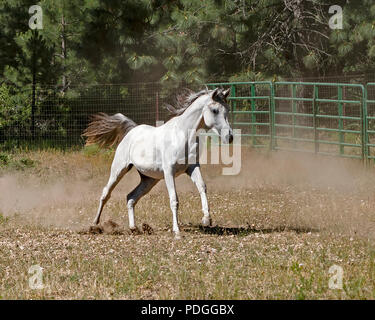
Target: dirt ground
<point>278,228</point>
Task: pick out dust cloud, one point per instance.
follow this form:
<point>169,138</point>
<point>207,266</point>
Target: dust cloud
<point>321,192</point>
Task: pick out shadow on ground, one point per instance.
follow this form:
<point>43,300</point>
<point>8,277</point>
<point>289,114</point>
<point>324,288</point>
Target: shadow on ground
<point>243,231</point>
<point>111,227</point>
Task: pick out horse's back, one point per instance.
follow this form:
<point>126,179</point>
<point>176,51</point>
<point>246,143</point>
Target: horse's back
<point>150,149</point>
<point>139,149</point>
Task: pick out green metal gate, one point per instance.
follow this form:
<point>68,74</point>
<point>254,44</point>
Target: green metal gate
<point>324,118</point>
<point>321,118</point>
<point>251,111</point>
<point>370,120</point>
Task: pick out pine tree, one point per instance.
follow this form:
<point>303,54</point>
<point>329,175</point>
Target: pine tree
<point>354,45</point>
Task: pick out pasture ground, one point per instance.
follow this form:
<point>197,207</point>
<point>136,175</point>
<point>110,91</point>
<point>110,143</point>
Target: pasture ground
<point>278,228</point>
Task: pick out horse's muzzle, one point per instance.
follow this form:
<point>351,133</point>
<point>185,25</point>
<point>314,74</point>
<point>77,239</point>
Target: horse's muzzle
<point>226,135</point>
<point>230,139</point>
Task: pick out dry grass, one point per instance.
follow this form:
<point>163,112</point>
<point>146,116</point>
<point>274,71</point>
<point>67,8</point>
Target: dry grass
<point>279,226</point>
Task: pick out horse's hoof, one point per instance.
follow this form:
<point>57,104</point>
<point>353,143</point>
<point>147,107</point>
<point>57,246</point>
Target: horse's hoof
<point>147,229</point>
<point>177,236</point>
<point>206,222</point>
<point>96,229</point>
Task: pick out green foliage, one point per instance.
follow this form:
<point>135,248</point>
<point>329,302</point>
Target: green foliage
<point>4,159</point>
<point>179,43</point>
<point>344,49</point>
<point>352,46</point>
<point>94,150</point>
<point>311,61</point>
<point>371,52</point>
<point>3,219</point>
<point>27,162</point>
<point>91,150</point>
<point>136,62</point>
<point>248,75</point>
<point>15,112</point>
<point>8,161</point>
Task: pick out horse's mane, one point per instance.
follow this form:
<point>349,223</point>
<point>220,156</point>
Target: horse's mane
<point>183,100</point>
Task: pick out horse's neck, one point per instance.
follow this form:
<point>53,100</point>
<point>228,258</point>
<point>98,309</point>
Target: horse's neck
<point>192,118</point>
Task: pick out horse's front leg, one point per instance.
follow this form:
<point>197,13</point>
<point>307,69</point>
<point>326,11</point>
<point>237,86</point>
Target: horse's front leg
<point>173,200</point>
<point>194,172</point>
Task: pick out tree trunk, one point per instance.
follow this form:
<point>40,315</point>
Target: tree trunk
<point>63,53</point>
<point>33,86</point>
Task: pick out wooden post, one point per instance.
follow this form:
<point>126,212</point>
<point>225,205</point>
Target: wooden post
<point>157,108</point>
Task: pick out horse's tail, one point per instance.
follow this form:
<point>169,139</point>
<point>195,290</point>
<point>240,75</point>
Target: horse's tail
<point>106,131</point>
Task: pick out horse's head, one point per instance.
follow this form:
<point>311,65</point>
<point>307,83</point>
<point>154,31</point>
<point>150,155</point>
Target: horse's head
<point>215,114</point>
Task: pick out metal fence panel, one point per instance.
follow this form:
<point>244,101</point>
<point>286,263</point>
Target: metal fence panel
<point>325,118</point>
<point>370,123</point>
<point>251,111</point>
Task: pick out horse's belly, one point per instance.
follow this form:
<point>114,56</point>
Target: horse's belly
<point>149,155</point>
<point>158,173</point>
<point>148,164</point>
<point>180,168</point>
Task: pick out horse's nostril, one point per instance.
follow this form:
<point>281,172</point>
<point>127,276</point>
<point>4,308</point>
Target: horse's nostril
<point>230,138</point>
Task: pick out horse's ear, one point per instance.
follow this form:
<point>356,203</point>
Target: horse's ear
<point>215,93</point>
<point>226,93</point>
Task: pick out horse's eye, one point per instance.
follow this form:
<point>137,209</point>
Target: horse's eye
<point>215,111</point>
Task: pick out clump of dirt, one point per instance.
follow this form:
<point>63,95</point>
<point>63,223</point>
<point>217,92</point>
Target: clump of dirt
<point>147,229</point>
<point>107,227</point>
<point>93,229</point>
<point>135,231</point>
<point>111,227</point>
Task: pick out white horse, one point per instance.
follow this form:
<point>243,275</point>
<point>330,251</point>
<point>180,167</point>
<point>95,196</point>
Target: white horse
<point>156,152</point>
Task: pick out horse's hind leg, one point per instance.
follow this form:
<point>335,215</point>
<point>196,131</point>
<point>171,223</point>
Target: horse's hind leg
<point>117,172</point>
<point>144,186</point>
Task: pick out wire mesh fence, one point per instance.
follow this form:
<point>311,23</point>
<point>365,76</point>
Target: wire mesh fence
<point>327,118</point>
<point>57,119</point>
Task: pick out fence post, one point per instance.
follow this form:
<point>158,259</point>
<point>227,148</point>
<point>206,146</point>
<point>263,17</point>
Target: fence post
<point>364,133</point>
<point>272,116</point>
<point>157,108</point>
<point>341,123</point>
<point>294,111</point>
<point>253,117</point>
<point>315,118</point>
<point>234,104</point>
<point>367,125</point>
